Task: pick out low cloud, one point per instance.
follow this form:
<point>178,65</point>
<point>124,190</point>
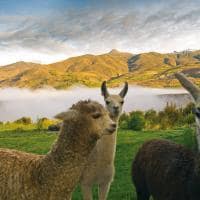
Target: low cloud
<point>16,103</point>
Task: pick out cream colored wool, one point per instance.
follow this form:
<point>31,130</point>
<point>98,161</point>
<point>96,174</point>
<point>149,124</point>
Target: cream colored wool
<point>25,176</point>
<point>100,169</point>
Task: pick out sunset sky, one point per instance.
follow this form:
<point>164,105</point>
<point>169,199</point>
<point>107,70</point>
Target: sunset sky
<point>52,30</point>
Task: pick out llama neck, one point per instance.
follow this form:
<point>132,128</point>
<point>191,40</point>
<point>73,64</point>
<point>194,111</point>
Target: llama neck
<point>198,133</point>
<point>107,143</point>
<point>67,157</point>
<point>72,140</point>
<point>115,118</point>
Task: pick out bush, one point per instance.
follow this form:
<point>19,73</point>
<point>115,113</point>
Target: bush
<point>54,127</point>
<point>188,109</point>
<point>123,121</point>
<point>24,120</point>
<point>151,115</point>
<point>151,118</point>
<point>124,116</point>
<point>170,117</point>
<point>172,114</point>
<point>44,123</point>
<point>189,119</point>
<point>124,124</point>
<point>136,121</point>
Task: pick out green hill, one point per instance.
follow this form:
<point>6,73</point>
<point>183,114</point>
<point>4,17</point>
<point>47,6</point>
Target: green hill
<point>146,69</point>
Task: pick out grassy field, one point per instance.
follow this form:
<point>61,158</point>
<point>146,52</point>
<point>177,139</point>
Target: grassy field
<point>128,143</point>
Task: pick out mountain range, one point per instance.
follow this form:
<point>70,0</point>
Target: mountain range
<point>146,69</point>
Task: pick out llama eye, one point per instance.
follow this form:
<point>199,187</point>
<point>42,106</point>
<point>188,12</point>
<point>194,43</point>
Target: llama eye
<point>196,111</point>
<point>122,102</point>
<point>96,115</point>
<point>107,102</point>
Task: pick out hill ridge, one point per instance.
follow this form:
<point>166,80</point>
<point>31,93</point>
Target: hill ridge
<point>150,69</point>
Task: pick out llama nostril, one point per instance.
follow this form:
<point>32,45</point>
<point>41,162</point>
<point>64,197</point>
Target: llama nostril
<point>114,125</point>
<point>116,107</point>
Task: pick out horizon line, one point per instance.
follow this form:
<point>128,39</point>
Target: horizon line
<point>95,54</point>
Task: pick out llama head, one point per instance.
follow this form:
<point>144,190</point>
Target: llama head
<point>90,118</point>
<point>194,90</point>
<point>114,103</point>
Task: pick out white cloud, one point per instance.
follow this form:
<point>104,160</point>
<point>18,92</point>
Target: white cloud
<point>162,27</point>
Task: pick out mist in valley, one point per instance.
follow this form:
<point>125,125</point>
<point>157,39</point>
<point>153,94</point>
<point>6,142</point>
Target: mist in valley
<point>16,103</point>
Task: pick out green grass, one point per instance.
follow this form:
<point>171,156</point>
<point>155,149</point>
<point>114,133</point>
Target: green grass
<point>127,146</point>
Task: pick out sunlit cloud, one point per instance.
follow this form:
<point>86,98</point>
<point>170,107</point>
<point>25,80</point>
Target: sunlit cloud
<point>161,27</point>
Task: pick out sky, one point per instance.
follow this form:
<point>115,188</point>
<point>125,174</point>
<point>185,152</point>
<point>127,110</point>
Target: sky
<point>53,30</point>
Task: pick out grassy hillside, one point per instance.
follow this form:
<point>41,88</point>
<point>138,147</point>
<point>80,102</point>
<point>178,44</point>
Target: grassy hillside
<point>156,70</point>
<point>127,146</point>
<point>146,69</point>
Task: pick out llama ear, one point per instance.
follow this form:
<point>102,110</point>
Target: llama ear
<point>124,90</point>
<point>66,115</point>
<point>188,85</point>
<point>104,90</point>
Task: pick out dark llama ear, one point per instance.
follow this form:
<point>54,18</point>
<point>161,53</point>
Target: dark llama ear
<point>188,85</point>
<point>124,90</point>
<point>104,90</point>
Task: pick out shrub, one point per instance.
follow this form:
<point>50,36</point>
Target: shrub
<point>136,121</point>
<point>43,123</point>
<point>124,124</point>
<point>172,114</point>
<point>188,109</point>
<point>124,116</point>
<point>170,117</point>
<point>189,119</point>
<point>24,120</point>
<point>54,127</point>
<point>151,115</point>
<point>123,121</point>
<point>151,118</point>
